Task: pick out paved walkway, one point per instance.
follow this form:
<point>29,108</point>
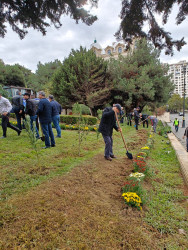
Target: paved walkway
<point>179,146</point>
<point>182,155</point>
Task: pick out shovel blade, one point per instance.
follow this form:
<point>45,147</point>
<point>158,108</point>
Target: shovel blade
<point>129,155</point>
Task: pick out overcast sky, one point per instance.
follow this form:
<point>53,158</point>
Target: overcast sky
<point>58,43</point>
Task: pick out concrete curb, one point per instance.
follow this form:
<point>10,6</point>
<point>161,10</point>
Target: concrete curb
<point>182,155</point>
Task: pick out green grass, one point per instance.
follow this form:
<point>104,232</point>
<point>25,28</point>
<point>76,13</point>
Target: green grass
<point>165,212</point>
<point>19,169</point>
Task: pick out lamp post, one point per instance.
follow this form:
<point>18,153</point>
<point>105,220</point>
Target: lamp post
<point>184,71</point>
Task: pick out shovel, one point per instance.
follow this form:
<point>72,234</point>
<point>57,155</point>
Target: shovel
<point>142,121</point>
<point>129,155</point>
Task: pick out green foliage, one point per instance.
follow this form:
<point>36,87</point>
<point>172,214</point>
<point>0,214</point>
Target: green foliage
<point>41,79</point>
<point>3,92</point>
<point>41,14</point>
<point>139,78</point>
<point>82,79</point>
<point>85,109</point>
<point>163,129</point>
<point>73,119</point>
<point>32,137</point>
<point>175,103</point>
<point>147,110</point>
<point>135,14</point>
<point>13,76</point>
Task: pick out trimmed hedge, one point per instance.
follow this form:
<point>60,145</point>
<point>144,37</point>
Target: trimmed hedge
<point>73,119</point>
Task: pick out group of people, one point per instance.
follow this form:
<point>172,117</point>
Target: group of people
<point>141,118</point>
<point>46,110</point>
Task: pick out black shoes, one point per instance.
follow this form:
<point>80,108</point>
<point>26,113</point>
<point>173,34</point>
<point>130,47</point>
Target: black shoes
<point>53,145</point>
<point>19,132</point>
<point>113,156</point>
<point>108,158</point>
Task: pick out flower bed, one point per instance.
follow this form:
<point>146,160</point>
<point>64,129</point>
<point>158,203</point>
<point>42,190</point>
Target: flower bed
<point>132,190</point>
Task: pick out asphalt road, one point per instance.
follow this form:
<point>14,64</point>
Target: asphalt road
<point>181,130</point>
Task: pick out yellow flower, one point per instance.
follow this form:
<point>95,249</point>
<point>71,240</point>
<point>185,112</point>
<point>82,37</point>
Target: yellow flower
<point>145,148</point>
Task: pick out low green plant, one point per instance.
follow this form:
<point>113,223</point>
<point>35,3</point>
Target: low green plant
<point>32,137</point>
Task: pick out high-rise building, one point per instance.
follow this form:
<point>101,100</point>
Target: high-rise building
<point>179,72</point>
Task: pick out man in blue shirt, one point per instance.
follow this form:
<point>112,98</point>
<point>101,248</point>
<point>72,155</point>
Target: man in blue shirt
<point>44,112</point>
<point>56,111</point>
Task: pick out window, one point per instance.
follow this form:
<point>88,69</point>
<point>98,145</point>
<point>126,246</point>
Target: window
<point>119,50</point>
<point>109,52</point>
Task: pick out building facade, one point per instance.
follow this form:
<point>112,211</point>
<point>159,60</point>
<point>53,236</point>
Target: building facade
<point>179,73</point>
<point>114,50</point>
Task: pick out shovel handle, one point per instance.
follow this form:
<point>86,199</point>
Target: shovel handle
<point>120,130</point>
<point>143,121</point>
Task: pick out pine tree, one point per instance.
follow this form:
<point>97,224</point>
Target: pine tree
<point>83,79</point>
<point>135,13</point>
<point>140,78</point>
<point>40,14</point>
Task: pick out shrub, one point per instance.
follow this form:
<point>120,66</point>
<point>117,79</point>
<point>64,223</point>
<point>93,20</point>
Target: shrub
<point>73,119</point>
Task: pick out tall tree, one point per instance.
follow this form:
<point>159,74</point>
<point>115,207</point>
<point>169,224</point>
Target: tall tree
<point>14,76</point>
<point>139,78</point>
<point>40,14</point>
<point>135,13</point>
<point>83,79</point>
<point>175,103</point>
<point>2,72</point>
<point>41,79</point>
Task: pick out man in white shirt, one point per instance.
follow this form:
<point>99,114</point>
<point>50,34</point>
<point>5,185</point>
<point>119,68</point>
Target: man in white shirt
<point>5,108</point>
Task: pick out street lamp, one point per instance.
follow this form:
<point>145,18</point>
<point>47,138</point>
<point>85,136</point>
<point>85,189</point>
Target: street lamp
<point>184,71</point>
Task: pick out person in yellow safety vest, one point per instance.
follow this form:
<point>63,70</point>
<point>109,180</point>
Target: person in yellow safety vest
<point>176,124</point>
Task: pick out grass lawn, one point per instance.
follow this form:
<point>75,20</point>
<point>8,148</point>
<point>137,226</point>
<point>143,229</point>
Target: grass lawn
<point>69,202</point>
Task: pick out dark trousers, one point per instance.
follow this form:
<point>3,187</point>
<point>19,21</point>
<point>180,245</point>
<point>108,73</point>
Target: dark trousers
<point>176,128</point>
<point>136,123</point>
<point>6,123</point>
<point>108,145</point>
<point>48,133</point>
<point>187,143</point>
<point>129,122</point>
<point>16,110</point>
<point>146,123</point>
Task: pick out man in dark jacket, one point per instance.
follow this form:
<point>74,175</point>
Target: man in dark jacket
<point>144,118</point>
<point>18,108</point>
<point>56,111</point>
<point>136,117</point>
<point>44,112</point>
<point>129,118</point>
<point>31,110</point>
<point>108,122</point>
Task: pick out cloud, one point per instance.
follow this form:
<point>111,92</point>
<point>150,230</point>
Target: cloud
<point>57,44</point>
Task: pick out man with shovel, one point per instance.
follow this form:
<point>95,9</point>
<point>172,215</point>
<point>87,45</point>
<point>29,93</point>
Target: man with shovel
<point>108,122</point>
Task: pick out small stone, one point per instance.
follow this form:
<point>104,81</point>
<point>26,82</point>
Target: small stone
<point>182,231</point>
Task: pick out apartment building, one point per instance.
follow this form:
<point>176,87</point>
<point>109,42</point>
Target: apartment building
<point>179,72</point>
